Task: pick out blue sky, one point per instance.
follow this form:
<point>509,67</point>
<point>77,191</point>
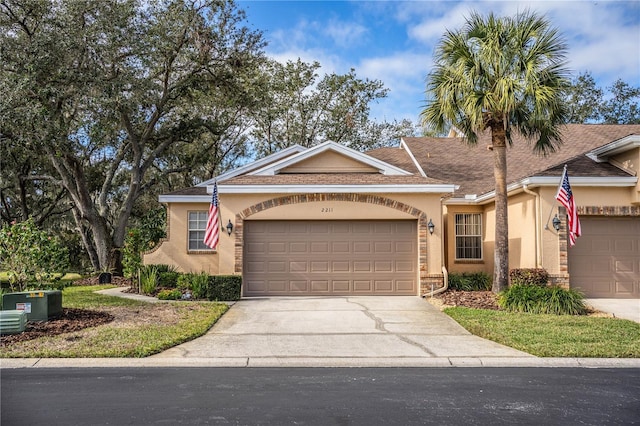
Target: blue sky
<point>393,41</point>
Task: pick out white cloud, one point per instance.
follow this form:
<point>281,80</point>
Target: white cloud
<point>431,28</point>
<point>289,38</point>
<point>603,38</point>
<point>330,63</point>
<point>403,73</point>
<point>400,65</point>
<point>345,33</point>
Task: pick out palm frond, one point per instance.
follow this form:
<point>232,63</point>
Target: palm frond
<point>496,70</point>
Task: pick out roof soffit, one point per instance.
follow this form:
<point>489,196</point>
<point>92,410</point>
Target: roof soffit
<point>619,146</point>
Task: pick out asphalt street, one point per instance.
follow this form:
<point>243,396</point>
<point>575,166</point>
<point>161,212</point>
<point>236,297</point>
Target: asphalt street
<point>320,396</point>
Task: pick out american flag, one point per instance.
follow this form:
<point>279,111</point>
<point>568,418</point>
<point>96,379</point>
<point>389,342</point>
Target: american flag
<point>565,197</point>
<point>212,233</point>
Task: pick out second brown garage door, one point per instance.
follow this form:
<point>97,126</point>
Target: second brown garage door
<point>605,262</point>
<point>301,258</point>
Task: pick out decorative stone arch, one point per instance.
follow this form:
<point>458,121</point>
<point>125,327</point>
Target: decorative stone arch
<point>351,197</point>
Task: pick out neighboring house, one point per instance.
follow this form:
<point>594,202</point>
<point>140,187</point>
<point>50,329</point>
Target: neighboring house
<point>328,220</point>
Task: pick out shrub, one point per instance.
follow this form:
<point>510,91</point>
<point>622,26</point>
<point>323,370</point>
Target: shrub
<point>565,302</point>
<point>542,300</point>
<point>148,279</point>
<point>184,282</point>
<point>168,279</point>
<point>198,285</point>
<point>132,253</point>
<point>223,287</point>
<point>166,268</point>
<point>167,294</point>
<point>477,281</point>
<point>30,255</point>
<point>529,276</point>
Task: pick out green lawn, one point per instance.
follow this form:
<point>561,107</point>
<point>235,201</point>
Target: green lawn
<point>553,335</point>
<point>140,329</point>
<point>69,276</point>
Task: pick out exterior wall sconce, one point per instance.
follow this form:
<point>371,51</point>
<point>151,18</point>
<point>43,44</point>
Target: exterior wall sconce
<point>431,227</point>
<point>556,223</point>
<point>229,227</point>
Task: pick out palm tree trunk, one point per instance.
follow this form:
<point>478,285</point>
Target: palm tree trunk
<point>501,255</point>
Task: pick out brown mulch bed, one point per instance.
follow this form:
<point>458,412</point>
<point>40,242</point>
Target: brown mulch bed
<point>470,299</point>
<point>117,281</point>
<point>69,321</point>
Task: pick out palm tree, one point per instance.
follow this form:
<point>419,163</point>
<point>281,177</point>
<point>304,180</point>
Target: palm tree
<point>501,74</point>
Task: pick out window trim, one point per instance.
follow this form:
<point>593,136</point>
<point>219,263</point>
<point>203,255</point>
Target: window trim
<point>190,250</point>
<point>456,235</point>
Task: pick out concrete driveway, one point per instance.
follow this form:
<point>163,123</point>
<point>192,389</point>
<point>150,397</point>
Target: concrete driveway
<point>618,308</point>
<point>338,331</point>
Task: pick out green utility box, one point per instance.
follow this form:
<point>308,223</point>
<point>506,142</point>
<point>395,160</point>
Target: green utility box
<point>12,322</point>
<point>39,305</point>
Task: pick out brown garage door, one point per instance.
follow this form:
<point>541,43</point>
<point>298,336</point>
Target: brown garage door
<point>605,262</point>
<point>301,258</point>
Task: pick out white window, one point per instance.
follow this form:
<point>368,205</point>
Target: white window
<point>197,227</point>
<point>469,236</point>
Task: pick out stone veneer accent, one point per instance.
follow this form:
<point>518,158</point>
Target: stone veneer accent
<point>437,280</point>
<point>563,279</point>
<point>425,278</point>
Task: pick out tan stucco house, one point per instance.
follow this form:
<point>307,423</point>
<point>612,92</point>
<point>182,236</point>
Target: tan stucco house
<point>328,220</point>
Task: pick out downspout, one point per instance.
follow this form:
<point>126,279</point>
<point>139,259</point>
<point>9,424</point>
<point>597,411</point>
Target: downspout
<point>445,273</point>
<point>537,213</point>
<point>445,276</point>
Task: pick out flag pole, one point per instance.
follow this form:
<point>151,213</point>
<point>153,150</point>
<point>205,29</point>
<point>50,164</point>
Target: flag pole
<point>566,198</point>
<point>212,230</point>
<point>564,170</point>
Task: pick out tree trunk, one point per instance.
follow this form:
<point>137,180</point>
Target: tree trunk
<point>86,240</point>
<point>119,233</point>
<point>85,213</point>
<point>501,254</point>
<point>101,239</point>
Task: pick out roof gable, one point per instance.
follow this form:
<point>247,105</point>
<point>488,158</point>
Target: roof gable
<point>314,161</point>
<point>325,168</point>
<point>329,162</point>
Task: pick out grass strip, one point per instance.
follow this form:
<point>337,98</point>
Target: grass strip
<point>85,297</point>
<point>547,335</point>
<point>69,276</point>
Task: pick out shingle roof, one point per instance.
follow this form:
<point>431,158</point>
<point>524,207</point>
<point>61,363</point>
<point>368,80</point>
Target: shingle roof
<point>194,190</point>
<point>452,161</point>
<point>397,156</point>
<point>585,166</point>
<point>331,179</point>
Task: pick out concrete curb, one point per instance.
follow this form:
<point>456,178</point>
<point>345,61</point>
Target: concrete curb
<point>273,362</point>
